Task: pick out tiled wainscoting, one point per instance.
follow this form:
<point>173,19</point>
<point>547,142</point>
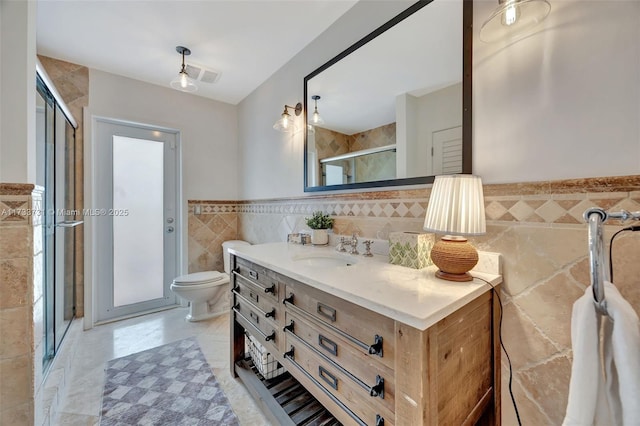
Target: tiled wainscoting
<point>538,228</point>
<point>21,304</point>
<point>210,224</point>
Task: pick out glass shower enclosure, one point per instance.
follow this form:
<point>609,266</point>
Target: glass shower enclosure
<point>55,153</point>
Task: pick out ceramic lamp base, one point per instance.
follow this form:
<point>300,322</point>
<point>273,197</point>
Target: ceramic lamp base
<point>454,257</point>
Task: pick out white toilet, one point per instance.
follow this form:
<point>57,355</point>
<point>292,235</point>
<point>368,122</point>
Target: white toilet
<point>207,292</point>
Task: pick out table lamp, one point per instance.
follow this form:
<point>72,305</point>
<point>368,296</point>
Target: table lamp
<point>456,209</point>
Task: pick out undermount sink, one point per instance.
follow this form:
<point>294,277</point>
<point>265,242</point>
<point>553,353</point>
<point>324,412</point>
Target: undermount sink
<point>325,260</point>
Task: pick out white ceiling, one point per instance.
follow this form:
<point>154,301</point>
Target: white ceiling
<point>245,40</point>
<point>421,54</point>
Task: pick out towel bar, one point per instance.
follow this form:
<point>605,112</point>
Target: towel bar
<point>596,217</point>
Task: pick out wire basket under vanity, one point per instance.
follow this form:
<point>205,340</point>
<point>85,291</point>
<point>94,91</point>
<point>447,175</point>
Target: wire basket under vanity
<point>266,364</point>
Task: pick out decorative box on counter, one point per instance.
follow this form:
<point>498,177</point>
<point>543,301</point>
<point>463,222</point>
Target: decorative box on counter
<point>410,249</point>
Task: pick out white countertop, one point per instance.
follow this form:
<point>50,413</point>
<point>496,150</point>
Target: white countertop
<point>412,296</point>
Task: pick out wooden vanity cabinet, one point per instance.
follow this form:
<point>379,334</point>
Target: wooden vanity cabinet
<point>367,368</point>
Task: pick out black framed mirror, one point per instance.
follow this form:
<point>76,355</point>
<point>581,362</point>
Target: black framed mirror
<point>395,107</point>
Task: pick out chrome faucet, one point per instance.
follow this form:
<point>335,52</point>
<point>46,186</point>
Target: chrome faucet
<point>367,245</point>
<point>340,246</point>
<point>354,244</point>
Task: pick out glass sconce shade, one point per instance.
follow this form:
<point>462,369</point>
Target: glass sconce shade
<point>286,122</point>
<point>513,17</point>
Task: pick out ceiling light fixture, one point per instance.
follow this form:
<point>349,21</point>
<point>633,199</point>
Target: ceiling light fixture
<point>513,17</point>
<point>285,123</point>
<point>183,82</point>
<point>316,119</point>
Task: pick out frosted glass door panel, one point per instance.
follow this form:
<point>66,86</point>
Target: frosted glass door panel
<point>138,208</point>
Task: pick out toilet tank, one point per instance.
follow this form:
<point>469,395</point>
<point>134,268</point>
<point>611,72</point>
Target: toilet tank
<point>225,251</point>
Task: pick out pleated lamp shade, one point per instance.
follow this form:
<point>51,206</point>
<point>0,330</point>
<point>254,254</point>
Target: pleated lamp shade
<point>456,209</point>
<point>456,206</point>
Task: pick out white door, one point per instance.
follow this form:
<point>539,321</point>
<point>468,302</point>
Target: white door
<point>136,218</point>
<point>447,151</point>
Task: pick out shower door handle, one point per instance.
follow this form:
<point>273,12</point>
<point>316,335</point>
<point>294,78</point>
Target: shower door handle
<point>69,224</point>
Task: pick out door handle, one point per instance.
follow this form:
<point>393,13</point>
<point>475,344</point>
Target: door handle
<point>170,229</point>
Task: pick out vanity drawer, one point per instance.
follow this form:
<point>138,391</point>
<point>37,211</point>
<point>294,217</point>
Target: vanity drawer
<point>361,327</point>
<point>359,364</point>
<point>258,275</point>
<point>246,311</point>
<point>301,360</point>
<point>257,296</point>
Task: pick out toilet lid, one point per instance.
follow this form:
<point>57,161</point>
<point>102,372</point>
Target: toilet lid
<point>199,277</point>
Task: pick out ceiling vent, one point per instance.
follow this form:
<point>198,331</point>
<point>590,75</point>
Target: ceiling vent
<point>200,73</point>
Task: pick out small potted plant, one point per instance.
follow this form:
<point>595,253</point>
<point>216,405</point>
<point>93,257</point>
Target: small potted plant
<point>319,223</point>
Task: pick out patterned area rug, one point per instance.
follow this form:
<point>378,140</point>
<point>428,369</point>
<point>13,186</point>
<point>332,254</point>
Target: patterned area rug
<point>168,385</point>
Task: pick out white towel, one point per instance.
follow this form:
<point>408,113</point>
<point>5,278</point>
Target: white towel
<point>605,375</point>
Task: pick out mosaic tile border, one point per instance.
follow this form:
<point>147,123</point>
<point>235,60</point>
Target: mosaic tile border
<point>551,202</point>
<point>212,207</point>
<point>374,208</point>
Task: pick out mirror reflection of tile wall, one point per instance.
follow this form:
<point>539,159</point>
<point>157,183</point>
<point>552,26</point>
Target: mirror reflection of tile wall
<point>367,168</point>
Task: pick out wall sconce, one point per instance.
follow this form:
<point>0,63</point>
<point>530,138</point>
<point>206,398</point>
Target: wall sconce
<point>285,123</point>
<point>513,17</point>
<point>456,209</point>
<point>315,118</point>
<point>183,82</point>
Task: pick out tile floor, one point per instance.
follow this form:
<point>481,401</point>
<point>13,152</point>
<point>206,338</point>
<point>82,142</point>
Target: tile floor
<point>93,348</point>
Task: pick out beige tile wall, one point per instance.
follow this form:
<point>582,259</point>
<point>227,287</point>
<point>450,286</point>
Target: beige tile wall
<point>370,167</point>
<point>217,222</point>
<point>539,230</point>
<point>21,304</point>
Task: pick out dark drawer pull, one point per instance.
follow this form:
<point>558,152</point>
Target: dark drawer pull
<point>253,296</point>
<point>328,377</point>
<point>376,348</point>
<point>272,336</point>
<point>378,388</point>
<point>270,314</point>
<point>288,299</point>
<point>327,311</point>
<point>254,317</point>
<point>253,274</point>
<point>290,353</point>
<point>271,289</point>
<point>288,327</point>
<point>379,420</point>
<point>328,345</point>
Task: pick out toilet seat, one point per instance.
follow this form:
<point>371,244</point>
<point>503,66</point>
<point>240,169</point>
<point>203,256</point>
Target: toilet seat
<point>196,278</point>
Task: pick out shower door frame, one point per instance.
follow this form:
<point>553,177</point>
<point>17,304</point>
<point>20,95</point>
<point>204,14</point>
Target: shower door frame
<point>56,159</point>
